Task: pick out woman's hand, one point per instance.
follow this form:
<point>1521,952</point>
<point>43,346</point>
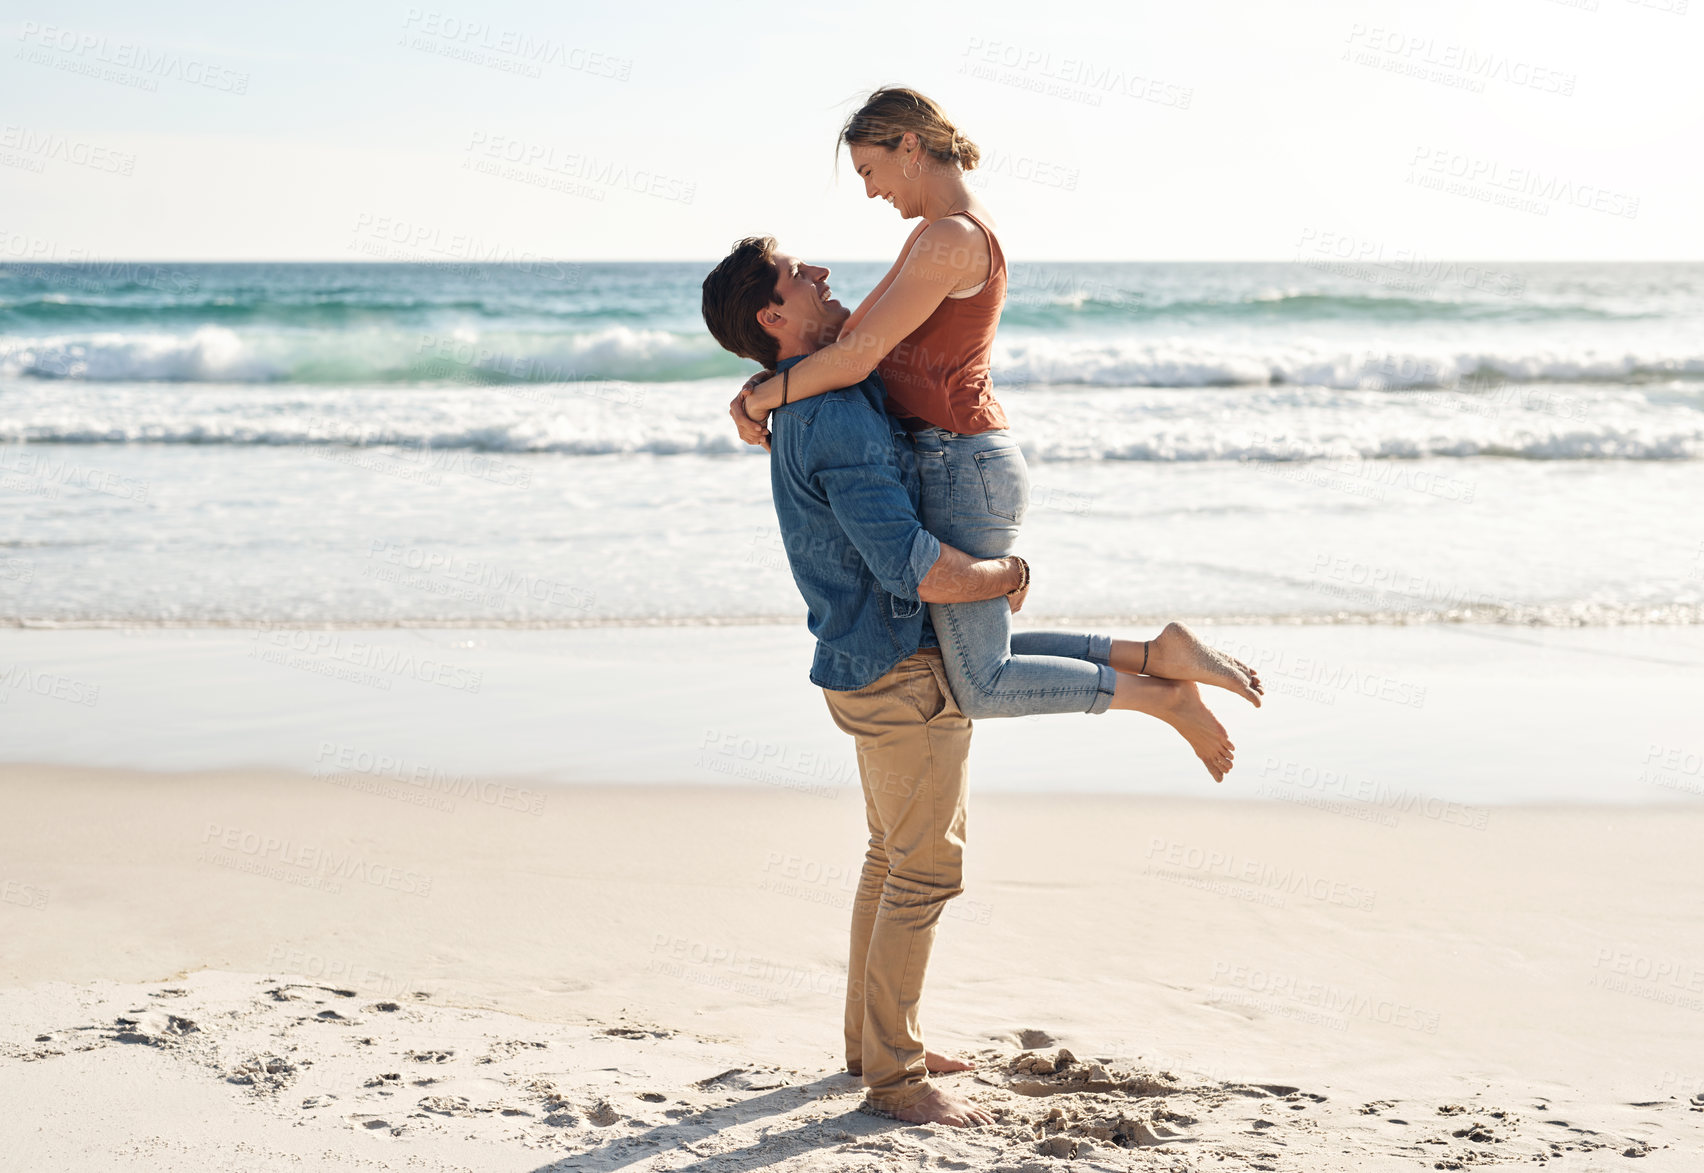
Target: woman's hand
<point>762,400</point>
<point>751,430</point>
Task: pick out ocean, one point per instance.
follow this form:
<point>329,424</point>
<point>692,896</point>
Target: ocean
<point>1342,439</point>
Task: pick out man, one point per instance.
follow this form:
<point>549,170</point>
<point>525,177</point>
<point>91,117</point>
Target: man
<point>846,496</point>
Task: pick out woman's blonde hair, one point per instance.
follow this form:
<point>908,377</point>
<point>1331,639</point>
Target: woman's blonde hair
<point>888,113</point>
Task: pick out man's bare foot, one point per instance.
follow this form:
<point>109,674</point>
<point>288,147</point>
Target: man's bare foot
<point>1176,654</point>
<point>939,1107</point>
<point>1180,706</point>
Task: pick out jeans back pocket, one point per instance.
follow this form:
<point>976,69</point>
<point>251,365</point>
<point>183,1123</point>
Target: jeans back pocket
<point>1005,481</point>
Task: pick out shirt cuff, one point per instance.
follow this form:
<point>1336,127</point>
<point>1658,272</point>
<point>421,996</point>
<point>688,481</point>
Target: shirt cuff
<point>925,552</point>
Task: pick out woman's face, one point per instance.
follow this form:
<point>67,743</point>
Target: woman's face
<point>883,171</point>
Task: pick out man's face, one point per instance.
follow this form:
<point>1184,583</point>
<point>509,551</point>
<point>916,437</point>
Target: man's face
<point>808,314</point>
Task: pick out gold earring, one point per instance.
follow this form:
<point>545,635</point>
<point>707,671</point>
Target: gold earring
<point>907,174</point>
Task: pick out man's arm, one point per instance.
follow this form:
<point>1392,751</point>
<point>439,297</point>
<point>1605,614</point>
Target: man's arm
<point>957,577</point>
<point>858,471</point>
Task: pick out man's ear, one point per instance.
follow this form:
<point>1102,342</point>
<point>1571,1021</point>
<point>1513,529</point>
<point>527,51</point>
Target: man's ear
<point>768,318</point>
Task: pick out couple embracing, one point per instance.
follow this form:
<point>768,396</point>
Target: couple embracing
<point>899,492</point>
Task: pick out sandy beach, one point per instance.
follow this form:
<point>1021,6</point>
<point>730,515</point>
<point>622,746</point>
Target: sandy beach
<point>265,970</point>
<point>409,755</point>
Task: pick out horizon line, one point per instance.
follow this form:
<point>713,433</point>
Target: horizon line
<point>6,262</point>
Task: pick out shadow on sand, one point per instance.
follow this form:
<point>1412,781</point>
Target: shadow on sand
<point>686,1133</point>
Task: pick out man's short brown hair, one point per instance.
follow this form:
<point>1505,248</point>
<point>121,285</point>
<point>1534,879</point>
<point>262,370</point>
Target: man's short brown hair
<point>733,293</point>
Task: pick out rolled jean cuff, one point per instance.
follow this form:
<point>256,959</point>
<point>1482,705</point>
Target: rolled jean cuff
<point>1108,682</point>
<point>898,1103</point>
<point>1100,649</point>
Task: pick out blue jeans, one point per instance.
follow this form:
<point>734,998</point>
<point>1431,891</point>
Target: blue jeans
<point>975,491</point>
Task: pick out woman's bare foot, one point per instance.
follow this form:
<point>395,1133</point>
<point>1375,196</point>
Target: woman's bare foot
<point>1176,654</point>
<point>939,1107</point>
<point>1178,703</point>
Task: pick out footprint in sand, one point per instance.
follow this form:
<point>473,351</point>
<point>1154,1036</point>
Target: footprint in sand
<point>263,1073</point>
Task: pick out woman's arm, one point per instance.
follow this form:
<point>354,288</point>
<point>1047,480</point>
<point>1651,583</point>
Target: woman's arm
<point>875,295</point>
<point>945,254</point>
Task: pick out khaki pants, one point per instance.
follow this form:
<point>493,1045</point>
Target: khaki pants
<point>913,743</point>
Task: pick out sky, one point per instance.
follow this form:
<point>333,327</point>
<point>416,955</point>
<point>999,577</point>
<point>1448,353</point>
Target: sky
<point>1495,129</point>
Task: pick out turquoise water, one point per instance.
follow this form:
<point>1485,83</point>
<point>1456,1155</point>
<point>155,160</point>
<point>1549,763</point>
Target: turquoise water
<point>1325,321</point>
<point>1333,440</point>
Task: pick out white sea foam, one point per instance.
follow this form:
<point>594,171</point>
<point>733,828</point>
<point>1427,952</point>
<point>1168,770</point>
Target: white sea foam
<point>602,417</point>
<point>462,353</point>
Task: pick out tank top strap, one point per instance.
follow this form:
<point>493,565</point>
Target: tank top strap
<point>996,255</point>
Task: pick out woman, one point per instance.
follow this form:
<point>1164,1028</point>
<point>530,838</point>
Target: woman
<point>928,328</point>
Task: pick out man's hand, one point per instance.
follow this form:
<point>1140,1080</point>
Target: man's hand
<point>1016,600</point>
<point>752,430</point>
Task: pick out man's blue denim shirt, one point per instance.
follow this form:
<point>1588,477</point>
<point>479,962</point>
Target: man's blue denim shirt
<point>846,494</point>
